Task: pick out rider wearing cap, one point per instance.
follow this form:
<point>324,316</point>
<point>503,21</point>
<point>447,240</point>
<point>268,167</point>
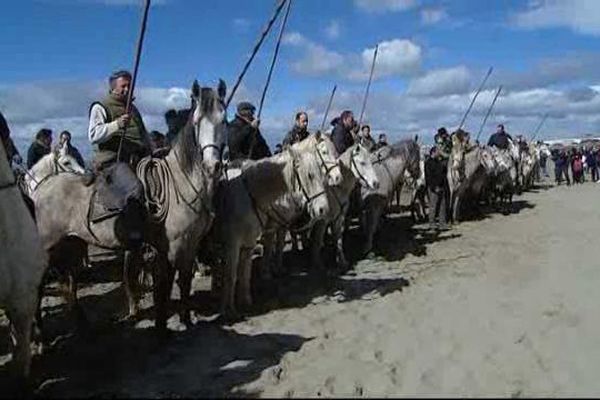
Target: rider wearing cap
<point>244,138</point>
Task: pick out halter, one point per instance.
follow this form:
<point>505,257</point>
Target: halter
<point>360,175</point>
<point>333,164</point>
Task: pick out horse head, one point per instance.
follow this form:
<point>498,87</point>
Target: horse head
<point>328,157</point>
<point>64,162</point>
<point>362,167</point>
<point>308,180</point>
<point>209,119</point>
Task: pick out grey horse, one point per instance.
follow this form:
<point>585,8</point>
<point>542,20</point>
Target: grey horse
<point>390,163</point>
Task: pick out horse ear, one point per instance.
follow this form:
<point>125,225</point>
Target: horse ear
<point>417,138</point>
<point>318,136</point>
<point>222,89</point>
<point>195,89</point>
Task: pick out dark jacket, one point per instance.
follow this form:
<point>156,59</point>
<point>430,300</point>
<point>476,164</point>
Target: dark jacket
<point>35,153</point>
<point>500,140</point>
<point>342,137</point>
<point>295,135</point>
<point>435,173</point>
<point>240,136</point>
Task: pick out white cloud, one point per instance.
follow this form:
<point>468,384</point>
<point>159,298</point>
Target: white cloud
<point>397,57</point>
<point>430,16</point>
<point>582,16</point>
<point>379,6</point>
<point>333,29</point>
<point>442,82</point>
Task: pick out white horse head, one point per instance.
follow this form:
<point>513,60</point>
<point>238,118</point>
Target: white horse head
<point>362,167</point>
<point>57,161</point>
<point>210,120</point>
<point>328,157</point>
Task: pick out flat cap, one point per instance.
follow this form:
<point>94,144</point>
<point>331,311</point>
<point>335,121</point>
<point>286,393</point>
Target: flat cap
<point>245,106</point>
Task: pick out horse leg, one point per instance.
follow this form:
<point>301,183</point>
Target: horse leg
<point>131,270</point>
<point>244,288</point>
<point>280,270</point>
<point>265,264</point>
<point>163,282</point>
<point>184,281</point>
<point>337,230</point>
<point>230,277</point>
<point>21,325</point>
<point>316,244</point>
<point>373,214</point>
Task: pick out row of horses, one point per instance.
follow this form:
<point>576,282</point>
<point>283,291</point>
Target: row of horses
<point>187,204</point>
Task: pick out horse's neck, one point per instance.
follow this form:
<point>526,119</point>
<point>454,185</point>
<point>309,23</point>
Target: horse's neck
<point>268,179</point>
<point>394,168</point>
<point>184,178</point>
<point>43,168</point>
<point>348,178</point>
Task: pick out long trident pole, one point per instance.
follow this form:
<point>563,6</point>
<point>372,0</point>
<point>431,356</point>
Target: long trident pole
<point>328,108</point>
<point>462,122</point>
<point>364,105</point>
<point>261,39</point>
<point>274,59</point>
<point>488,112</point>
<point>138,55</point>
<point>539,127</point>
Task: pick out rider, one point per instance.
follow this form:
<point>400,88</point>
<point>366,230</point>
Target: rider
<point>40,147</point>
<point>342,131</point>
<point>366,139</point>
<point>244,138</point>
<point>443,143</point>
<point>300,130</point>
<point>109,119</point>
<point>500,139</point>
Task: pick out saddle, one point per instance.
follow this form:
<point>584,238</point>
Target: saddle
<point>114,187</point>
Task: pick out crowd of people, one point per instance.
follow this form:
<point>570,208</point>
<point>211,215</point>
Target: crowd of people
<point>579,161</point>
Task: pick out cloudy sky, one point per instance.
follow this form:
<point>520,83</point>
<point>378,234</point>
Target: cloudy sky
<point>433,55</point>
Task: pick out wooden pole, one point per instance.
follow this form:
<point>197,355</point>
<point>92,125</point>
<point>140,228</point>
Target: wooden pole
<point>462,122</point>
<point>488,112</point>
<point>138,56</point>
<point>364,105</point>
<point>328,109</point>
<point>261,39</point>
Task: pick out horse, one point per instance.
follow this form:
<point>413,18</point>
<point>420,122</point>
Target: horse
<point>66,231</point>
<point>285,214</point>
<point>357,168</point>
<point>467,176</point>
<point>504,176</point>
<point>390,163</point>
<point>243,201</point>
<point>53,163</point>
<point>179,190</point>
<point>23,263</point>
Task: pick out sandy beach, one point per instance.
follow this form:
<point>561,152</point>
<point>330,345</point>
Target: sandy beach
<point>501,306</point>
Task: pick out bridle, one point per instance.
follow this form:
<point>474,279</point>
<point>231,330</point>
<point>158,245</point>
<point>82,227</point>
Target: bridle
<point>218,148</point>
<point>332,164</point>
<point>354,165</point>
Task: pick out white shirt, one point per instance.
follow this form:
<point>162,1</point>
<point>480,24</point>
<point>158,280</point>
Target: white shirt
<point>99,130</point>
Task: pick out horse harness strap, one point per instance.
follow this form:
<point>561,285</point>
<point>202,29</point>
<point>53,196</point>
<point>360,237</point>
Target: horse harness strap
<point>9,185</point>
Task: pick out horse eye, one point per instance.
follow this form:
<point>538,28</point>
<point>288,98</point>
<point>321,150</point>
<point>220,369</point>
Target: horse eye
<point>311,176</point>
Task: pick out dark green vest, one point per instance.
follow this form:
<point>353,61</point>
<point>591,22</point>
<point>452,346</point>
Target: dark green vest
<point>135,141</point>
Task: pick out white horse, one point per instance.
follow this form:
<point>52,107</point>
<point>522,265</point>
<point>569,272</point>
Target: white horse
<point>357,168</point>
<point>241,211</point>
<point>23,262</point>
<point>52,163</point>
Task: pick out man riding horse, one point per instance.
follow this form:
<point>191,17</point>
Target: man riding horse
<point>109,118</point>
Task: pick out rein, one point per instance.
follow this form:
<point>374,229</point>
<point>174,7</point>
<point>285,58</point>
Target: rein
<point>8,185</point>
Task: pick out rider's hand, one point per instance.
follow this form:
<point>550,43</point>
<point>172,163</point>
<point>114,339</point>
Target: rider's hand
<point>255,123</point>
<point>123,120</point>
<point>17,159</point>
